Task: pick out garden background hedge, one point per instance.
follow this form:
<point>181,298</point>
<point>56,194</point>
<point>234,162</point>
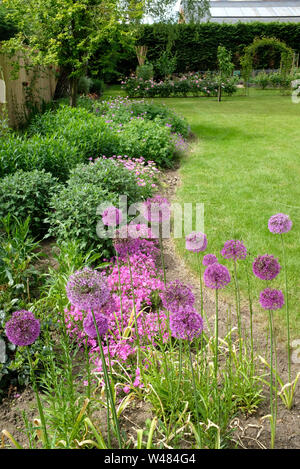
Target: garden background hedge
<point>195,46</point>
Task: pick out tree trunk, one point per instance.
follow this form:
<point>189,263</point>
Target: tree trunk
<point>73,91</point>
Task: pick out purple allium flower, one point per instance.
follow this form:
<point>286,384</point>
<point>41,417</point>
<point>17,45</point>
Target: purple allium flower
<point>209,259</point>
<point>186,324</point>
<point>23,328</point>
<point>112,216</point>
<point>280,223</point>
<point>89,325</point>
<point>176,296</point>
<point>271,299</point>
<point>139,230</point>
<point>87,289</point>
<point>196,242</point>
<point>234,249</point>
<point>266,267</point>
<point>156,209</point>
<point>216,276</point>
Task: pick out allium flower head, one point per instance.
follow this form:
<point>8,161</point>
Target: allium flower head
<point>280,223</point>
<point>87,289</point>
<point>139,230</point>
<point>209,259</point>
<point>234,249</point>
<point>216,276</point>
<point>196,242</point>
<point>186,324</point>
<point>266,267</point>
<point>176,296</point>
<point>156,209</point>
<point>112,216</point>
<point>23,328</point>
<point>271,299</point>
<point>89,325</point>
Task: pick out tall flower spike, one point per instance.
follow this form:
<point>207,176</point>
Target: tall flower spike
<point>186,324</point>
<point>156,209</point>
<point>216,276</point>
<point>176,296</point>
<point>23,328</point>
<point>209,259</point>
<point>280,223</point>
<point>89,325</point>
<point>196,242</point>
<point>271,299</point>
<point>266,267</point>
<point>234,249</point>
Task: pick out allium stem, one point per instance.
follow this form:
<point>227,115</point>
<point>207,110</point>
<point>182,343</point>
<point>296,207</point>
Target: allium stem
<point>287,308</point>
<point>162,255</point>
<point>216,335</point>
<point>109,394</point>
<point>195,395</point>
<point>251,316</point>
<point>120,288</point>
<point>272,406</point>
<point>238,305</point>
<point>41,412</point>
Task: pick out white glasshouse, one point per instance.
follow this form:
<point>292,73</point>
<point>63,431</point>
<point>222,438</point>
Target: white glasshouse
<point>232,11</point>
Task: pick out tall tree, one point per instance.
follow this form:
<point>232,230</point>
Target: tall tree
<point>67,32</point>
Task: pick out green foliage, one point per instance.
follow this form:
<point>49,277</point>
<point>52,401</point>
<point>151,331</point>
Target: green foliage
<point>50,152</point>
<point>145,72</point>
<point>148,139</point>
<point>262,80</point>
<point>270,42</point>
<point>225,65</point>
<point>7,27</point>
<point>165,65</point>
<point>26,194</point>
<point>84,85</point>
<point>97,86</point>
<point>195,45</point>
<point>74,215</point>
<point>106,174</point>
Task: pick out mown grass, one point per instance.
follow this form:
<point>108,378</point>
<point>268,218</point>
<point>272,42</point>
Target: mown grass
<point>245,167</point>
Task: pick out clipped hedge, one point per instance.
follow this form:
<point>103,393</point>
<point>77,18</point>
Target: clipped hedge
<point>195,45</point>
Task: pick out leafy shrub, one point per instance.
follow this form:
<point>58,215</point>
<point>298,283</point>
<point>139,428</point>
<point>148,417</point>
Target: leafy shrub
<point>84,85</point>
<point>193,83</point>
<point>28,193</point>
<point>97,86</point>
<point>107,174</point>
<point>89,134</point>
<point>262,79</point>
<point>51,153</point>
<point>123,110</point>
<point>165,65</point>
<point>148,139</point>
<point>74,214</point>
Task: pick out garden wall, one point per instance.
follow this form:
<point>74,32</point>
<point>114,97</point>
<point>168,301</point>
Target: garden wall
<point>29,89</point>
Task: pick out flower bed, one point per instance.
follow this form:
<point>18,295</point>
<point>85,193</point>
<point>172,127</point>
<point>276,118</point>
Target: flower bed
<point>194,84</point>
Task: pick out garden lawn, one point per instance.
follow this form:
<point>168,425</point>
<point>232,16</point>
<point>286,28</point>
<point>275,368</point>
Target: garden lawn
<point>245,167</point>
